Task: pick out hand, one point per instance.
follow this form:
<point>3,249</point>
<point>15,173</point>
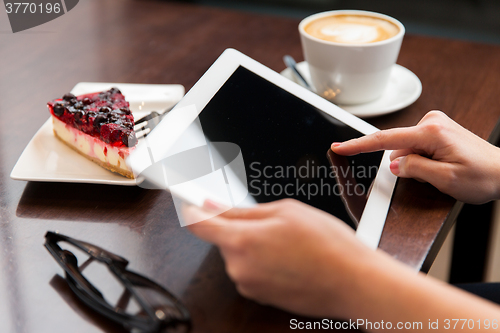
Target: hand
<point>300,259</point>
<point>438,151</point>
<point>288,254</point>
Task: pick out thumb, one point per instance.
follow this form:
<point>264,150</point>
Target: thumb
<point>421,168</point>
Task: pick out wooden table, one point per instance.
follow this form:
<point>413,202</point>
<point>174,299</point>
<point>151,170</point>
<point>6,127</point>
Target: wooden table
<point>163,42</point>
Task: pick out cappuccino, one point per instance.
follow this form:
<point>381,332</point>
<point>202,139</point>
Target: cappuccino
<point>351,29</point>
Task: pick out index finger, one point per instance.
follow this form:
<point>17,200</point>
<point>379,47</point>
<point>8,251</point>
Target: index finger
<point>260,211</point>
<point>391,139</point>
<point>213,229</point>
<point>216,229</point>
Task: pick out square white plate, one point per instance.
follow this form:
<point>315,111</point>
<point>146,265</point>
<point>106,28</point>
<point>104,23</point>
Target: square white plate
<point>47,159</point>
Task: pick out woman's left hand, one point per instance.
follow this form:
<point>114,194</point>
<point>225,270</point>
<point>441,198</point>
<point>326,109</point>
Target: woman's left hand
<point>288,254</point>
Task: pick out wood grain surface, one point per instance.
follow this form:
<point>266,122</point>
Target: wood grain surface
<point>168,42</point>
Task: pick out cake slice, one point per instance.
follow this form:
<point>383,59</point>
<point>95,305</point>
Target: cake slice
<point>99,126</point>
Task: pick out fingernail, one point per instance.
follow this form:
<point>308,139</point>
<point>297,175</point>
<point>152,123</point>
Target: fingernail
<point>336,144</point>
<point>212,205</point>
<point>395,166</point>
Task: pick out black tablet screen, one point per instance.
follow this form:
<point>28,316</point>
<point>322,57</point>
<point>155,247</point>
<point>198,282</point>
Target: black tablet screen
<point>284,142</point>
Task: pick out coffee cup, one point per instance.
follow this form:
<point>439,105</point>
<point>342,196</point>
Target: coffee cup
<point>350,53</point>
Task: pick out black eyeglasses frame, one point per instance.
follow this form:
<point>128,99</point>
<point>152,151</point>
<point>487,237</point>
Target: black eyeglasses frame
<point>92,297</point>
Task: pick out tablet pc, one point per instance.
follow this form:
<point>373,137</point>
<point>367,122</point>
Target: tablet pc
<point>244,134</point>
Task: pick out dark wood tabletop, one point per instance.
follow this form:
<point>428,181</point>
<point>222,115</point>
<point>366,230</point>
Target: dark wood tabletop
<point>170,42</point>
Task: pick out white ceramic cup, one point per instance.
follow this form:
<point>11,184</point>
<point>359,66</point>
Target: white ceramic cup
<point>350,73</point>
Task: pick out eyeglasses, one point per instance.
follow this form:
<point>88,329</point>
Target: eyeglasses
<point>158,309</point>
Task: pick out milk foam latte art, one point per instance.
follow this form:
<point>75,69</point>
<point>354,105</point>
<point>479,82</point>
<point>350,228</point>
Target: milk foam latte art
<point>350,53</point>
<point>351,29</point>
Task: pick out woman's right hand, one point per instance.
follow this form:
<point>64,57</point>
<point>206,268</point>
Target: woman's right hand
<point>439,151</point>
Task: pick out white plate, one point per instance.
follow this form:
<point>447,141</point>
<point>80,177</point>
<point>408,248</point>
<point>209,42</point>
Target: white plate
<point>47,159</point>
<point>403,89</point>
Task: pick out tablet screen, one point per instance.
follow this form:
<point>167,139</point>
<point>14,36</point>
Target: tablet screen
<point>284,143</point>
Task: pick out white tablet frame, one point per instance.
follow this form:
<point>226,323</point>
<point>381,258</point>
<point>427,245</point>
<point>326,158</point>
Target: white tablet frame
<point>372,221</point>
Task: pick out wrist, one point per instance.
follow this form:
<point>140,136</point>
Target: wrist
<point>379,282</point>
<point>361,271</point>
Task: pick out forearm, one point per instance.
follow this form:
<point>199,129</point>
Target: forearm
<point>389,291</point>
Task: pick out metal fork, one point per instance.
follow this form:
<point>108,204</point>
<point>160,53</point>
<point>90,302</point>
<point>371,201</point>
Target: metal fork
<point>146,124</point>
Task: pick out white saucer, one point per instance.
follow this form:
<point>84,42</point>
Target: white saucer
<point>403,89</point>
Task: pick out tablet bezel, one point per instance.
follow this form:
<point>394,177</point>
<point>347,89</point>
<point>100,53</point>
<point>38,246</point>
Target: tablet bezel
<point>373,218</point>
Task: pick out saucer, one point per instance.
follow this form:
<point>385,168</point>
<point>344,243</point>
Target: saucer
<point>403,89</point>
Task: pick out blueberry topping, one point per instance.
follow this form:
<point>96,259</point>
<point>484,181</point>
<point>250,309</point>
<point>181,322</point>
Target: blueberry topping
<point>78,116</point>
<point>58,109</point>
<point>125,110</point>
<point>105,115</point>
<point>129,140</point>
<point>98,121</point>
<point>69,96</point>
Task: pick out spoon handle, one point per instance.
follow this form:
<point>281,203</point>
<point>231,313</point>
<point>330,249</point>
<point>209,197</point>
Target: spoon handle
<point>290,63</point>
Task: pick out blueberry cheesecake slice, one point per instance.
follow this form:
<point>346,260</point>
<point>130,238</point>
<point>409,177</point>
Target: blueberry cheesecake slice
<point>99,126</point>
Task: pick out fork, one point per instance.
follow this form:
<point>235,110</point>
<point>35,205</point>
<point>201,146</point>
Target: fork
<point>146,124</point>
